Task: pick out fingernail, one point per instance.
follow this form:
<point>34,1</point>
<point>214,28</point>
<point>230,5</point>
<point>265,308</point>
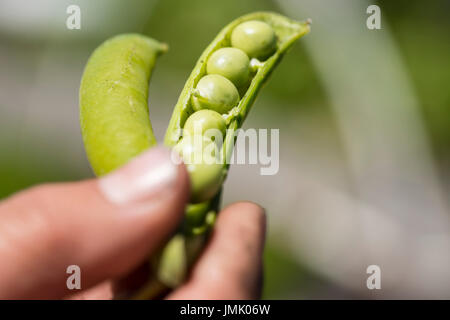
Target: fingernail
<point>150,175</point>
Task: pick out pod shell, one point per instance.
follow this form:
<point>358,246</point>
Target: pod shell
<point>114,115</point>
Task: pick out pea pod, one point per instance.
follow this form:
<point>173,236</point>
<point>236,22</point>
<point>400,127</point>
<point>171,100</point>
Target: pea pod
<point>286,32</point>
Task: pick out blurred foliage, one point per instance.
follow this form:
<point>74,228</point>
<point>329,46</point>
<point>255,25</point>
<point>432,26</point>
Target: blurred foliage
<point>284,277</point>
<point>421,29</point>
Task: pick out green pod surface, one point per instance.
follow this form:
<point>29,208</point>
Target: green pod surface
<point>114,115</point>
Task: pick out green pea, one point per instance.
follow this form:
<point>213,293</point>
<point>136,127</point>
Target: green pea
<point>206,180</point>
<point>232,63</point>
<point>195,213</point>
<point>204,120</point>
<point>173,262</point>
<point>256,38</point>
<point>216,93</point>
<point>205,171</point>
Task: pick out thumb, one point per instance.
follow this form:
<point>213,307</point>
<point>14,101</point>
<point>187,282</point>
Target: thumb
<point>104,226</point>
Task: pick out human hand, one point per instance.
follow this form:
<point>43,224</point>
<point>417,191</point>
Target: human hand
<point>109,226</point>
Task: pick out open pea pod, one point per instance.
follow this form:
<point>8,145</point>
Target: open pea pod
<point>190,238</point>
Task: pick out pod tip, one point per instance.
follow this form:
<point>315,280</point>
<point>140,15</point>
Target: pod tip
<point>164,47</point>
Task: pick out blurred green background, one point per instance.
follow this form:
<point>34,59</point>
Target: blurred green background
<point>41,63</point>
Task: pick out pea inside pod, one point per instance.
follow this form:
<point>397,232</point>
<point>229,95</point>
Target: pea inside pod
<point>256,38</point>
<point>204,120</point>
<point>202,158</point>
<point>215,92</point>
<point>232,63</point>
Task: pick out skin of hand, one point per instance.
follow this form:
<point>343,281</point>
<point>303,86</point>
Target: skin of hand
<point>109,226</point>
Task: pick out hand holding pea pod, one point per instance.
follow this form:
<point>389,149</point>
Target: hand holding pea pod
<point>218,95</point>
<point>59,238</point>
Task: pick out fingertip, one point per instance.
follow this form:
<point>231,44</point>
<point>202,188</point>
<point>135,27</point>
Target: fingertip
<point>247,205</point>
<point>247,216</point>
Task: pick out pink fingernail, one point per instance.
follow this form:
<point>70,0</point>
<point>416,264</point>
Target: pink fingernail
<point>151,174</point>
